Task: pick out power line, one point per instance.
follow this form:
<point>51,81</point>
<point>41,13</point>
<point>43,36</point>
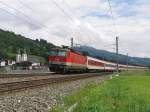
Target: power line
<point>112,16</point>
<point>66,14</point>
<point>16,16</point>
<point>81,29</point>
<point>72,11</point>
<point>70,17</point>
<point>26,19</point>
<point>28,7</point>
<point>23,4</point>
<point>55,5</point>
<point>26,16</point>
<point>69,7</point>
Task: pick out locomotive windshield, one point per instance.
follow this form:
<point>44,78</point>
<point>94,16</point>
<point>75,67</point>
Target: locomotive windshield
<point>58,53</point>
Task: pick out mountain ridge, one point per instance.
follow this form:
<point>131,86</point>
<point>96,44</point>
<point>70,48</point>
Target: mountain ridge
<point>110,56</point>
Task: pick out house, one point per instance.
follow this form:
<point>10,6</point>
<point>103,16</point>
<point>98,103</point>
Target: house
<point>2,63</point>
<point>35,61</point>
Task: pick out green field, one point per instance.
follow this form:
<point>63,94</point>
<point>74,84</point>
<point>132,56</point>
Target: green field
<point>130,92</point>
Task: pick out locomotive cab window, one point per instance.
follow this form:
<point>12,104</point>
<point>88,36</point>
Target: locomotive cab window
<point>62,53</point>
<point>58,53</point>
<point>52,53</point>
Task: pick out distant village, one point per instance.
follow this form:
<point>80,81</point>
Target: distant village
<point>22,62</point>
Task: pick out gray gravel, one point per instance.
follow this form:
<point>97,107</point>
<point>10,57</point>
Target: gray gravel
<point>44,98</point>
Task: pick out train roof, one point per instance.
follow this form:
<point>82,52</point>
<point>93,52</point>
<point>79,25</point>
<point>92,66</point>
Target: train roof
<point>103,61</point>
<point>66,49</point>
<point>60,49</point>
<point>111,63</point>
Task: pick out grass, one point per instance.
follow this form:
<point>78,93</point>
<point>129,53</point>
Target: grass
<point>130,92</point>
<point>136,73</point>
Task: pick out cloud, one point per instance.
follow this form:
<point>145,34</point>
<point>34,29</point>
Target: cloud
<point>87,21</point>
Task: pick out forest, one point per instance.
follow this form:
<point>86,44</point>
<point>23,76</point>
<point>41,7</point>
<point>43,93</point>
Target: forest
<point>11,43</point>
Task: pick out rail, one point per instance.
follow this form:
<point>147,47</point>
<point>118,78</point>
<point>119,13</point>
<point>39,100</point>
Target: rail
<point>17,86</point>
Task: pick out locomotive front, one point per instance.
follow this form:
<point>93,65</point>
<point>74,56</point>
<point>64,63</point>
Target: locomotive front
<point>57,59</point>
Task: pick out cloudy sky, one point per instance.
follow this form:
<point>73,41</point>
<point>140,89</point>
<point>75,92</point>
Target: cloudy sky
<point>88,21</point>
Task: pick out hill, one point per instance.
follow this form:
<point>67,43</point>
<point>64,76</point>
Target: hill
<point>10,43</point>
<point>109,56</point>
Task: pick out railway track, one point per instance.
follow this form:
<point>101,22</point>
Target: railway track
<point>17,86</point>
<point>24,75</point>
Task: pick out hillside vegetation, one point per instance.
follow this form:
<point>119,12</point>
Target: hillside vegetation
<point>10,43</point>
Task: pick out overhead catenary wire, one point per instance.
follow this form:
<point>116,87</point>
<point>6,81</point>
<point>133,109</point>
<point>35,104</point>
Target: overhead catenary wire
<point>112,17</point>
<point>16,16</point>
<point>26,18</point>
<point>65,13</point>
<point>70,9</point>
<point>82,31</point>
<point>55,5</point>
<point>18,11</point>
<point>60,8</point>
<point>28,7</point>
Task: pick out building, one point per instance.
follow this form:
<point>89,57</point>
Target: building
<point>2,64</point>
<point>18,57</point>
<point>24,56</point>
<point>21,57</point>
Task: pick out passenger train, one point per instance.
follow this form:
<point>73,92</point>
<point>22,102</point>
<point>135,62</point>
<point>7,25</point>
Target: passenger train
<point>63,60</point>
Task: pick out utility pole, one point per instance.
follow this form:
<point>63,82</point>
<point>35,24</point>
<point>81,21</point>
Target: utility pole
<point>117,54</point>
<point>71,42</point>
<point>127,61</point>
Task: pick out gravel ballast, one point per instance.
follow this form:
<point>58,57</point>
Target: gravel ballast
<point>42,99</point>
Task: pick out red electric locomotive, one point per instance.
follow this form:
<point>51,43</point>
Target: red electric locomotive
<point>66,60</point>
